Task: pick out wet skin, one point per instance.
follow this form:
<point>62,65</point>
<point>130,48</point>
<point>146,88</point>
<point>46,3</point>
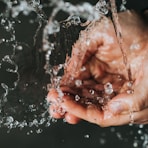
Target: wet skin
<point>96,60</point>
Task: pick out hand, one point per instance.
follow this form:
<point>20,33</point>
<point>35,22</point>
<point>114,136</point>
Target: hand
<point>96,86</point>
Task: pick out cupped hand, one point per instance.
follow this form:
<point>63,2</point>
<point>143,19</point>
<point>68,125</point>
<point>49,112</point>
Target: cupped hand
<point>98,85</point>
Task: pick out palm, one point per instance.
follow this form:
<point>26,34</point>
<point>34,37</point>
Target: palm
<point>97,57</point>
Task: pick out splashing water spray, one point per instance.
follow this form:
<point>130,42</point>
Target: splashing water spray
<point>9,18</point>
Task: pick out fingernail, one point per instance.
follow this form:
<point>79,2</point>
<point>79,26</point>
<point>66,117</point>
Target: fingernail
<point>116,107</point>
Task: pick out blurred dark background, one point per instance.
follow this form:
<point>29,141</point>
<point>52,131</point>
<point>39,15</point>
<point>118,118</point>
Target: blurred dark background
<point>82,135</point>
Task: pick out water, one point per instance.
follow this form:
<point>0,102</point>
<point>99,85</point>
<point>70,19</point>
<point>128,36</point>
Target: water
<point>11,18</point>
<point>118,30</point>
<point>108,88</point>
<point>15,110</point>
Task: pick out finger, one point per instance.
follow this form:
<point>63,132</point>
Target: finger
<point>127,102</point>
<point>55,109</point>
<point>55,96</point>
<point>52,96</point>
<point>56,112</point>
<point>71,118</point>
<point>141,117</point>
<point>91,113</point>
<point>102,118</point>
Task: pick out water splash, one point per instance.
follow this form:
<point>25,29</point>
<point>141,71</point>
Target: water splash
<point>51,26</point>
<point>9,19</point>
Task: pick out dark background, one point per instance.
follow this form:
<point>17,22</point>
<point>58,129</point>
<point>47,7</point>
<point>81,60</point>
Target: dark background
<point>82,135</point>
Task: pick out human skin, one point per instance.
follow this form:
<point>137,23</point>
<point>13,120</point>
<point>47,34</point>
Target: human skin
<point>96,60</point>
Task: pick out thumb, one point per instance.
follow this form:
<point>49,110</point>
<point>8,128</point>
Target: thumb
<point>122,104</point>
<point>137,101</point>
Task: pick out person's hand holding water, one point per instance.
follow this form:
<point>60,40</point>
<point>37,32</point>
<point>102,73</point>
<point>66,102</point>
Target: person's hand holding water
<point>98,85</point>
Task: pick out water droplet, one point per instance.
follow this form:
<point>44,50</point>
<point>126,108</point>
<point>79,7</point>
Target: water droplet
<point>112,129</point>
<point>77,97</point>
<point>119,136</point>
<point>83,68</point>
<point>108,88</point>
<point>32,108</point>
<point>38,131</point>
<point>78,83</point>
<point>102,141</point>
<point>87,136</point>
<point>130,91</point>
<point>19,47</point>
<point>140,132</point>
<point>9,119</point>
<point>35,2</point>
<point>141,126</point>
<point>88,42</point>
<point>102,7</point>
<point>60,93</point>
<point>122,7</point>
<point>130,84</point>
<point>92,92</point>
<point>135,144</point>
<point>75,20</point>
<point>101,100</point>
